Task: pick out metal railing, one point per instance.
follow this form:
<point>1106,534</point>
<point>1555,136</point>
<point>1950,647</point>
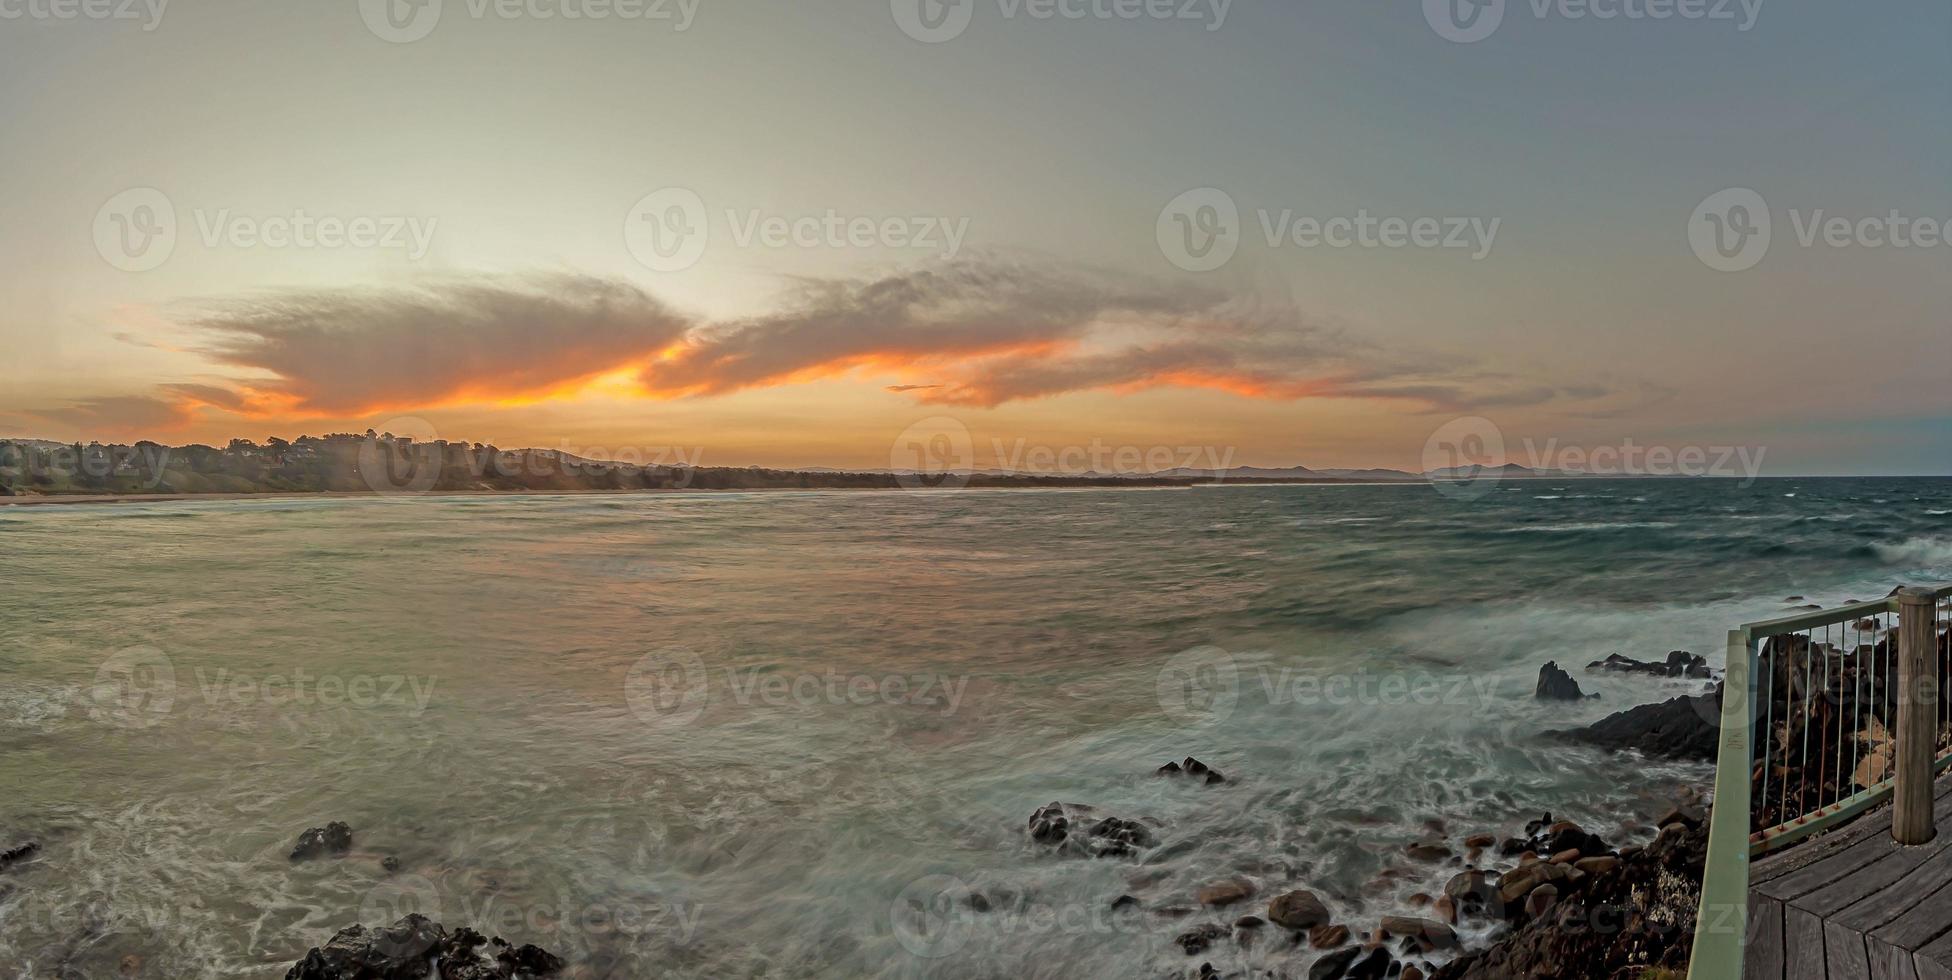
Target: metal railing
<point>1817,712</point>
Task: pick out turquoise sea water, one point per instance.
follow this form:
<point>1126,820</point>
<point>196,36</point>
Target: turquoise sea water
<point>749,735</point>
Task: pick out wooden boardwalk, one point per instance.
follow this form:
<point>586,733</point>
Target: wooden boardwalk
<point>1854,905</point>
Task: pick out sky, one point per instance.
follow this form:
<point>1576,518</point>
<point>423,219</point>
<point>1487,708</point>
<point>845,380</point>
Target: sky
<point>1391,233</point>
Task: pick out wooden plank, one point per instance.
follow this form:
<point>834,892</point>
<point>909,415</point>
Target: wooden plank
<point>1833,868</point>
<point>1874,880</point>
<point>1935,958</point>
<point>1929,919</point>
<point>1888,963</point>
<point>1843,950</point>
<point>1876,910</point>
<point>1929,969</point>
<point>1803,946</point>
<point>1804,854</point>
<point>1772,866</point>
<point>1838,863</point>
<point>1764,959</point>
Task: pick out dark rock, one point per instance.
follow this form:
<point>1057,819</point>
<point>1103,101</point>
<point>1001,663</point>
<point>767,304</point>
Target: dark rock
<point>1249,922</point>
<point>1557,685</point>
<point>18,852</point>
<point>1472,893</point>
<point>529,959</point>
<point>1428,850</point>
<point>1375,966</point>
<point>1222,893</point>
<point>390,863</point>
<point>403,950</point>
<point>1678,728</point>
<point>1685,813</point>
<point>1195,940</point>
<point>1053,824</point>
<point>1194,768</point>
<point>1328,936</point>
<point>1428,933</point>
<point>1648,903</point>
<point>1124,902</point>
<point>334,838</point>
<point>1679,663</point>
<point>1297,910</point>
<point>1333,965</point>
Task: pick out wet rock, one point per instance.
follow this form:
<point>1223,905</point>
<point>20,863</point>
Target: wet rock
<point>527,959</point>
<point>1334,965</point>
<point>1297,910</point>
<point>403,950</point>
<point>1678,728</point>
<point>18,853</point>
<point>1064,825</point>
<point>1195,941</point>
<point>1222,893</point>
<point>1375,966</point>
<point>1686,814</point>
<point>1679,663</point>
<point>1124,902</point>
<point>1471,893</point>
<point>1249,922</point>
<point>1192,768</point>
<point>390,863</point>
<point>1556,685</point>
<point>1596,865</point>
<point>1648,901</point>
<point>1328,936</point>
<point>1480,840</point>
<point>1428,934</point>
<point>1540,900</point>
<point>333,839</point>
<point>1428,850</point>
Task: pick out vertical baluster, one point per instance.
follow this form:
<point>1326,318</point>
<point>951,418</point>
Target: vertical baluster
<point>1803,760</point>
<point>1768,655</point>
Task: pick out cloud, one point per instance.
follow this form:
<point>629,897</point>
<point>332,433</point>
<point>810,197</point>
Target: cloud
<point>986,330</point>
<point>353,353</point>
<point>116,415</point>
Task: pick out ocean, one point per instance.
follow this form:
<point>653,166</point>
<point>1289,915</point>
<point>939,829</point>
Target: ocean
<point>789,734</point>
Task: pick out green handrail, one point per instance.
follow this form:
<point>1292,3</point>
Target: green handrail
<point>1721,922</point>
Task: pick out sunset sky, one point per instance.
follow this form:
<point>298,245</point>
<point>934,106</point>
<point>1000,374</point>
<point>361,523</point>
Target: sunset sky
<point>524,180</point>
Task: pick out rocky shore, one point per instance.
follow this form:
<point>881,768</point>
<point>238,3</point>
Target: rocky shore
<point>1552,899</point>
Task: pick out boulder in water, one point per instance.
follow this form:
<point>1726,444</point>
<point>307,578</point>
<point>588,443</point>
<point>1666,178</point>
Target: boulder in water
<point>334,838</point>
<point>1557,685</point>
<point>1678,728</point>
<point>405,950</point>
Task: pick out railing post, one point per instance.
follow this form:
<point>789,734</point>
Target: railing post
<point>1917,736</point>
